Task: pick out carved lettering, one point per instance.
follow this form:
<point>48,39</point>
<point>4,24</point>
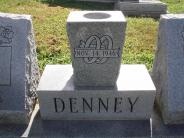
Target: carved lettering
<point>73,105</point>
<point>87,104</point>
<point>96,49</point>
<point>59,105</point>
<point>117,103</point>
<point>101,104</point>
<point>132,103</point>
<point>95,105</point>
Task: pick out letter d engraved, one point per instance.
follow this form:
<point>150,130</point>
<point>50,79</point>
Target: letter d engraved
<point>59,105</point>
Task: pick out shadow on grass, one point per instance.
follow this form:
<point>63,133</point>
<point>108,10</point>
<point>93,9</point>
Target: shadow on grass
<point>79,4</point>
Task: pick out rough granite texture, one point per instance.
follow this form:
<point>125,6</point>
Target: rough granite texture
<point>96,42</point>
<point>168,68</point>
<point>18,92</point>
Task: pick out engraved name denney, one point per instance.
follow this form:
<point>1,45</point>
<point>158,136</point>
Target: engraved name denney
<point>95,104</point>
<point>96,49</point>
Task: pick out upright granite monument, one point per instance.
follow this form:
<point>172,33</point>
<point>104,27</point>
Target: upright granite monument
<point>150,8</point>
<point>168,69</point>
<point>19,72</point>
<point>98,86</point>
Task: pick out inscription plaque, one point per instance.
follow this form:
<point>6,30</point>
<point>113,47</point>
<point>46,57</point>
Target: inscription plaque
<point>5,65</point>
<point>97,50</point>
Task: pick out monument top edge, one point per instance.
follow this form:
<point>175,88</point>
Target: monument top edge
<point>131,78</point>
<point>172,16</point>
<point>96,16</point>
<point>15,16</point>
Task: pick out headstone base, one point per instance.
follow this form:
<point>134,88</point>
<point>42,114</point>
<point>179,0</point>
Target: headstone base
<point>148,8</point>
<point>131,99</point>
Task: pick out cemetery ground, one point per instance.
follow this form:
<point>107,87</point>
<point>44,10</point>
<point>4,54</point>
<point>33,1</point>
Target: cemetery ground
<point>49,19</point>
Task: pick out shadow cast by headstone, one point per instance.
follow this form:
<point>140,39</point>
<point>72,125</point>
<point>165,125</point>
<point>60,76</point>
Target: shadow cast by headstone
<point>12,130</point>
<point>104,128</point>
<point>89,128</point>
<point>79,4</point>
<point>160,129</point>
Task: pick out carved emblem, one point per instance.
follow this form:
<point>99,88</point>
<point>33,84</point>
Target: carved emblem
<point>96,49</point>
<point>6,35</point>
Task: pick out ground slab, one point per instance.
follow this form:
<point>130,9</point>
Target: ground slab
<point>38,127</point>
<point>148,8</point>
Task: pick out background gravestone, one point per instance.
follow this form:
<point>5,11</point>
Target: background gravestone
<point>168,69</point>
<point>19,72</point>
<point>150,8</point>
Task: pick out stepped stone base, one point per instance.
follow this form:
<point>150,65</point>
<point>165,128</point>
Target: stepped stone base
<point>148,8</point>
<point>131,99</point>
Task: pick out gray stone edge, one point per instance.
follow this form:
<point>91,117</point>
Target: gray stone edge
<point>32,70</point>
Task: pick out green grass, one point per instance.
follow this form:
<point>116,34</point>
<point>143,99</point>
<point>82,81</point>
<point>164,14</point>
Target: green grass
<point>175,6</point>
<point>49,20</point>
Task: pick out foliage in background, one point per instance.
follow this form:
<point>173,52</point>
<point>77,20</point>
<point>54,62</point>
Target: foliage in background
<point>49,19</point>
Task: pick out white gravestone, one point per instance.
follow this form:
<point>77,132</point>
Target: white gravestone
<point>168,69</point>
<point>19,72</point>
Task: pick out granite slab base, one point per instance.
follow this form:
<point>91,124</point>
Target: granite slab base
<point>153,128</point>
<point>131,99</point>
<point>144,8</point>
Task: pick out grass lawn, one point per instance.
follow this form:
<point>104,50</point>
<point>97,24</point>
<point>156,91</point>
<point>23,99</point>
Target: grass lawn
<point>49,19</point>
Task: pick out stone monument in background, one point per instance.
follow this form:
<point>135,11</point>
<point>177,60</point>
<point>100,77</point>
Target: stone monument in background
<point>148,8</point>
<point>168,69</point>
<point>19,72</point>
<point>98,87</point>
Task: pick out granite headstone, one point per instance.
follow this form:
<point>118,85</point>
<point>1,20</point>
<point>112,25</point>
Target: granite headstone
<point>96,41</point>
<point>98,87</point>
<point>168,69</point>
<point>19,72</point>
